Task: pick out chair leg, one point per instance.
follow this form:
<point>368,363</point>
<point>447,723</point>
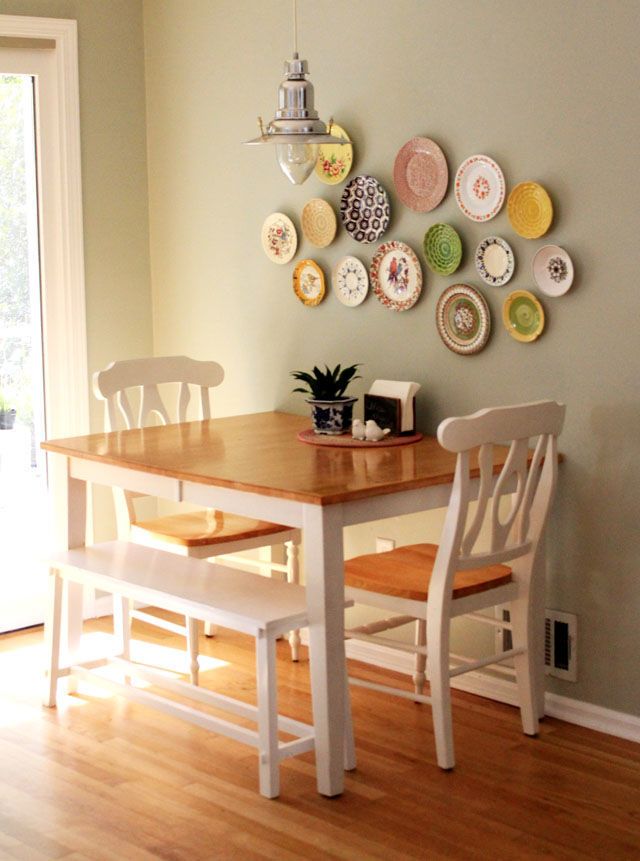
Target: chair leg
<point>419,676</point>
<point>293,576</point>
<point>52,637</point>
<point>349,741</point>
<point>439,680</point>
<point>526,666</point>
<point>122,624</point>
<point>267,716</point>
<point>192,648</point>
<point>209,629</point>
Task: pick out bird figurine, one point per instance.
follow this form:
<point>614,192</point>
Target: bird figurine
<point>374,432</point>
<point>357,429</point>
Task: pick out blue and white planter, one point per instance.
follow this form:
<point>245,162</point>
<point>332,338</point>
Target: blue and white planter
<point>332,417</point>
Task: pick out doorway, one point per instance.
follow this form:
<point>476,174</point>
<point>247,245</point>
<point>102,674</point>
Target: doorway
<point>43,363</point>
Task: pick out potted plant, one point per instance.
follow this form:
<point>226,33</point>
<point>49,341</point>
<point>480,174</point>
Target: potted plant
<point>7,414</point>
<point>331,409</point>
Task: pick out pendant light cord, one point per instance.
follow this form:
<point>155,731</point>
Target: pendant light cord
<point>295,29</point>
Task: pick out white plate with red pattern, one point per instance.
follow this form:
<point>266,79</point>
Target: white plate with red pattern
<point>479,188</point>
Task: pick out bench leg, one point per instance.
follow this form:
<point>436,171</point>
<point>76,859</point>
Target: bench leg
<point>52,637</point>
<point>293,576</point>
<point>267,716</point>
<point>349,743</point>
<point>122,624</point>
<point>192,648</point>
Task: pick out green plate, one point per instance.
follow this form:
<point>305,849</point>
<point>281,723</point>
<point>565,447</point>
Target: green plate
<point>523,316</point>
<point>442,249</point>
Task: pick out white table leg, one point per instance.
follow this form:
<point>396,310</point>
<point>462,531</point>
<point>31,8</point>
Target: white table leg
<point>75,528</point>
<point>324,570</point>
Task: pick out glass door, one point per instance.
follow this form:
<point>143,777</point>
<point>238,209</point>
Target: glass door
<point>25,529</point>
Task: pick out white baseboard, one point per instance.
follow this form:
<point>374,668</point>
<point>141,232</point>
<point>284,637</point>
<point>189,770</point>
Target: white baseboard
<point>504,690</point>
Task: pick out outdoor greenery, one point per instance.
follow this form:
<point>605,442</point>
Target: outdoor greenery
<point>16,367</point>
<point>326,385</point>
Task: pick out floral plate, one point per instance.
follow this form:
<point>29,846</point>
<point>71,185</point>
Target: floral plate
<point>495,261</point>
<point>523,316</point>
<point>308,282</point>
<point>279,238</point>
<point>364,209</point>
<point>442,249</point>
<point>396,276</point>
<point>319,222</point>
<point>334,160</point>
<point>479,188</point>
<point>553,270</point>
<point>530,210</point>
<point>463,319</point>
<point>350,281</point>
<point>420,174</point>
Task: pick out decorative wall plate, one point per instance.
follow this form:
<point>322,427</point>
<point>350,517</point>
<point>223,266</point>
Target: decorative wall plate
<point>364,209</point>
<point>495,261</point>
<point>279,238</point>
<point>319,222</point>
<point>442,249</point>
<point>530,210</point>
<point>334,160</point>
<point>396,276</point>
<point>308,282</point>
<point>463,319</point>
<point>420,174</point>
<point>523,315</point>
<point>553,270</point>
<point>479,188</point>
<point>350,281</point>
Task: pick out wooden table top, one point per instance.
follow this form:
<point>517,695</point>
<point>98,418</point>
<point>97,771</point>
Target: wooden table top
<point>260,453</point>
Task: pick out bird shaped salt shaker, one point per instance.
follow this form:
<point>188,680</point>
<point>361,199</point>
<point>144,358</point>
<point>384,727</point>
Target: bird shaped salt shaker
<point>374,432</point>
<point>358,429</point>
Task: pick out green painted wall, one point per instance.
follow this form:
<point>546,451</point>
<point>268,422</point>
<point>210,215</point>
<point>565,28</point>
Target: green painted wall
<point>548,90</point>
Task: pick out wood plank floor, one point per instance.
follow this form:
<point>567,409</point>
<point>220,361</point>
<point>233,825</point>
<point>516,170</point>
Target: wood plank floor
<point>101,778</point>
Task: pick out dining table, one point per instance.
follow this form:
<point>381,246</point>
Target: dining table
<point>262,465</point>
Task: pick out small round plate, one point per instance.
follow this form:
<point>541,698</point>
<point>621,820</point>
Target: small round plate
<point>479,188</point>
<point>495,261</point>
<point>364,209</point>
<point>530,210</point>
<point>442,249</point>
<point>553,270</point>
<point>420,174</point>
<point>334,160</point>
<point>350,281</point>
<point>463,319</point>
<point>279,238</point>
<point>523,316</point>
<point>319,222</point>
<point>308,282</point>
<point>396,276</point>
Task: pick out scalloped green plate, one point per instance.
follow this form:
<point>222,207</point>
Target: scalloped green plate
<point>523,316</point>
<point>442,249</point>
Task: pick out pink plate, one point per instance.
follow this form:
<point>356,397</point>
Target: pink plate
<point>420,174</point>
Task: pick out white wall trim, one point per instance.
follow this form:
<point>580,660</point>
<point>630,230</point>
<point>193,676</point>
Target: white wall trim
<point>504,690</point>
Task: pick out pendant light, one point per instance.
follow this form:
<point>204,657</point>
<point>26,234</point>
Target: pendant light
<point>296,129</point>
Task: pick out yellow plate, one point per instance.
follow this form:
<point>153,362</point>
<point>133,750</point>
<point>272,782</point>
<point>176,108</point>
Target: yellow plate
<point>530,210</point>
<point>334,160</point>
<point>523,316</point>
<point>308,282</point>
<point>319,222</point>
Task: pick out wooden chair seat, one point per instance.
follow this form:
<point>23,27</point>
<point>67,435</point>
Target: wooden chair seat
<point>207,527</point>
<point>406,573</point>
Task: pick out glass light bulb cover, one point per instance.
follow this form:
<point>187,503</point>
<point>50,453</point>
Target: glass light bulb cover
<point>297,161</point>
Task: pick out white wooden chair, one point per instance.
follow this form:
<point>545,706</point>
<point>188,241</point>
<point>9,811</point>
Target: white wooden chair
<point>204,534</point>
<point>429,585</point>
<point>246,602</point>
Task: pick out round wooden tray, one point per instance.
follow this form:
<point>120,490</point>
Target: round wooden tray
<point>347,441</point>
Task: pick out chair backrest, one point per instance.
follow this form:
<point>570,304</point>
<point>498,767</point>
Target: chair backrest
<point>528,478</point>
<point>119,379</point>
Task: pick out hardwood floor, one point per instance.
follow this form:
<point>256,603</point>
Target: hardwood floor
<point>101,778</point>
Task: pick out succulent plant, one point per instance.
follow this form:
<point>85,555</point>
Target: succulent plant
<point>326,385</point>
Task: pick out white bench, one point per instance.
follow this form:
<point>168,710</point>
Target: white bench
<point>245,602</point>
